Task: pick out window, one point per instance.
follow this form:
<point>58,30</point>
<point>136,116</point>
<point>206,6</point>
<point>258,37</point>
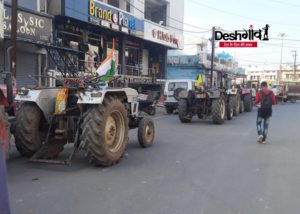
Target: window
<point>35,5</point>
<point>156,11</point>
<point>28,4</point>
<point>174,85</point>
<point>122,4</point>
<point>43,6</point>
<point>114,3</point>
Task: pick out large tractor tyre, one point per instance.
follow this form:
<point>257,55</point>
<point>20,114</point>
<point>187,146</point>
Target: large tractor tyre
<point>236,103</point>
<point>146,132</point>
<point>27,129</point>
<point>218,110</point>
<point>5,132</point>
<point>169,110</point>
<point>242,108</point>
<point>248,103</point>
<point>229,110</point>
<point>105,132</point>
<point>183,111</point>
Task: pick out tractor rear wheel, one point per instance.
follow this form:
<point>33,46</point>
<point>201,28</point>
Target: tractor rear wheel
<point>242,108</point>
<point>236,102</point>
<point>218,110</point>
<point>229,110</point>
<point>105,132</point>
<point>183,113</point>
<point>248,103</point>
<point>27,129</point>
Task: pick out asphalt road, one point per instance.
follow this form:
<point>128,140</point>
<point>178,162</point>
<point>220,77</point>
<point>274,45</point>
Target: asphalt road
<point>192,168</point>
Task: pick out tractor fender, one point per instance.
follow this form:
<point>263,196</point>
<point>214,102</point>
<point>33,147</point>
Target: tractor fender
<point>45,99</point>
<point>96,97</point>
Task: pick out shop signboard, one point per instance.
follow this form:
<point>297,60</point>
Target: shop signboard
<point>188,60</point>
<point>98,13</point>
<point>31,26</point>
<point>162,35</point>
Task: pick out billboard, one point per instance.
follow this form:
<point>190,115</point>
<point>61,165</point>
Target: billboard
<point>32,27</point>
<point>103,15</point>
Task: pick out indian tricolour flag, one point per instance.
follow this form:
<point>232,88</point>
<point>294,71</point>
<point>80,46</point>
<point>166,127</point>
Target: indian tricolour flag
<point>107,68</point>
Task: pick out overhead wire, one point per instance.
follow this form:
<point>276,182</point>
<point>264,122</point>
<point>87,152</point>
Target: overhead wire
<point>198,32</point>
<point>181,22</point>
<point>237,15</point>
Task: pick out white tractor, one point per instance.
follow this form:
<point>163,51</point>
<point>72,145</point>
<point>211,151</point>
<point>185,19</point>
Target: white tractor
<point>95,118</point>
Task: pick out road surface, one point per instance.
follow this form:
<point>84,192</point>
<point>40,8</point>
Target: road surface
<point>192,168</point>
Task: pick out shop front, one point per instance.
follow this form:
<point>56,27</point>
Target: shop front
<point>159,40</point>
<point>90,26</point>
<point>33,29</point>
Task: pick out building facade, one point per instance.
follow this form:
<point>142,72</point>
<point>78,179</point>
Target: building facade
<point>141,42</point>
<point>143,31</point>
<point>190,66</point>
<point>272,74</point>
<point>33,30</point>
<point>289,73</point>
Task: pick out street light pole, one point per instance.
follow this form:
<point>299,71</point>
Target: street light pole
<point>212,56</point>
<point>295,63</point>
<point>13,37</point>
<point>282,35</point>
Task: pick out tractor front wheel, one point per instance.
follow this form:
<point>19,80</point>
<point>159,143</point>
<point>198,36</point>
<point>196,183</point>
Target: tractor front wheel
<point>146,132</point>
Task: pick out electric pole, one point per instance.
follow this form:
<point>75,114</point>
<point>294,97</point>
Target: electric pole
<point>282,35</point>
<point>212,56</point>
<point>13,37</point>
<point>295,63</point>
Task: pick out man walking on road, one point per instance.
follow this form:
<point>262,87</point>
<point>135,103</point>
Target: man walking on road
<point>265,98</point>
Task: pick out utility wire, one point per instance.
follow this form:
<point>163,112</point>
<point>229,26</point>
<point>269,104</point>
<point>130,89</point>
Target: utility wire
<point>235,14</point>
<point>142,12</point>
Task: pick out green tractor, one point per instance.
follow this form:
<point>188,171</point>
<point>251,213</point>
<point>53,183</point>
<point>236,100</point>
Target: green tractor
<point>205,103</point>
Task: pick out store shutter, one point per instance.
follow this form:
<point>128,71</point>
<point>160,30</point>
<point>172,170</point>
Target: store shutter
<point>27,64</point>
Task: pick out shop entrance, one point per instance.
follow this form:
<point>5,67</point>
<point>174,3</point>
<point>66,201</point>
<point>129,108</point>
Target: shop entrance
<point>133,61</point>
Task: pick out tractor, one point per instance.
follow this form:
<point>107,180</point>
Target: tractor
<point>92,111</point>
<point>204,103</point>
<point>218,103</point>
<point>93,116</point>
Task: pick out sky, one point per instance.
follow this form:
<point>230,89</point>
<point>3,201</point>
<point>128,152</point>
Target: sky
<point>283,16</point>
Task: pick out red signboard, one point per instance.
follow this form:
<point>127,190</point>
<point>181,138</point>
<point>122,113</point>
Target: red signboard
<point>238,44</point>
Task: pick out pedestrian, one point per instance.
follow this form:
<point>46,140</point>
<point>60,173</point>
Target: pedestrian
<point>253,91</point>
<point>4,202</point>
<point>265,98</point>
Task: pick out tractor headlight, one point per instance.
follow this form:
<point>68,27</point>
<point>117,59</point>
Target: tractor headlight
<point>96,94</point>
<point>23,92</point>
